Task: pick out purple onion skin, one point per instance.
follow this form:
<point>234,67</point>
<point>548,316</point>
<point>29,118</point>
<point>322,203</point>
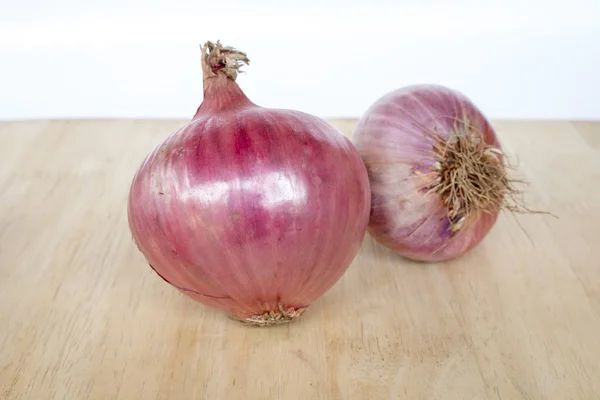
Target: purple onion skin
<point>247,209</point>
<point>393,141</point>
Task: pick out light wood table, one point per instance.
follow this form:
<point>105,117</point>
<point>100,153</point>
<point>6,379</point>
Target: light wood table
<point>83,317</point>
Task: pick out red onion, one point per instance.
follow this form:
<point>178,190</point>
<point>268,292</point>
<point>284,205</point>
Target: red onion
<point>437,173</point>
<point>254,211</point>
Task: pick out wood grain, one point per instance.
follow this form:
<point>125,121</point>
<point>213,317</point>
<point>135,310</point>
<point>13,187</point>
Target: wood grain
<point>83,317</point>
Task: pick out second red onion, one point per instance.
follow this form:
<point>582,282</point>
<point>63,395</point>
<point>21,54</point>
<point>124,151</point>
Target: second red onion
<point>437,172</point>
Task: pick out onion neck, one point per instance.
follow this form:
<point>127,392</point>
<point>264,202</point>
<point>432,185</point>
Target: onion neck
<point>220,68</point>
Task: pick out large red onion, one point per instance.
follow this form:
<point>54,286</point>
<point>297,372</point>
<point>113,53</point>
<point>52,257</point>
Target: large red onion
<point>438,179</point>
<point>254,211</point>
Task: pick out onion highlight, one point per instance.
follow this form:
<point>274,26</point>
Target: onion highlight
<point>437,172</point>
<point>254,211</point>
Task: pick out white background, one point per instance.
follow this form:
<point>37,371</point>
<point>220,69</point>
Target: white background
<point>112,58</point>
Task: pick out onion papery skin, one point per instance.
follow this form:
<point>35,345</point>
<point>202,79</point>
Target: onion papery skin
<point>254,211</point>
<point>394,138</point>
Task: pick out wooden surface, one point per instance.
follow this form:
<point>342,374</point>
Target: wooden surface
<point>83,317</point>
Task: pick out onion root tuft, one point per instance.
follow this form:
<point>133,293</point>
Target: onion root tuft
<point>268,318</point>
